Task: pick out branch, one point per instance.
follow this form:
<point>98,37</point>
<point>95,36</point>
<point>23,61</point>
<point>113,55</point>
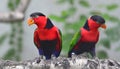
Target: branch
<point>23,5</point>
<point>11,16</point>
<point>62,63</point>
<point>17,15</point>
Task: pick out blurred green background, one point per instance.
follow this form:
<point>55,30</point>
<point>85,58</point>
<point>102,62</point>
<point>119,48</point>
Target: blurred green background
<point>16,38</point>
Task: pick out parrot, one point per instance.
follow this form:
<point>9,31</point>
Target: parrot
<point>85,39</point>
<point>47,37</point>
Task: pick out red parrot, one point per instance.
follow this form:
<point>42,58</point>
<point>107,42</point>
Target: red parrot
<point>47,37</point>
<point>87,37</point>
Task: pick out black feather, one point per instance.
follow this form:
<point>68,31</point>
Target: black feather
<point>86,26</point>
<point>48,24</point>
<point>98,19</point>
<point>36,14</point>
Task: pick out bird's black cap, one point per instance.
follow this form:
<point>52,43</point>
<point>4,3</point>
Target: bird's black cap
<point>35,14</point>
<point>48,24</point>
<point>98,19</point>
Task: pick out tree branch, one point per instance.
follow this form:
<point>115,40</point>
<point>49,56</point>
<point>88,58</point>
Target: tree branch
<point>17,15</point>
<point>62,63</point>
<point>11,17</point>
<point>23,6</point>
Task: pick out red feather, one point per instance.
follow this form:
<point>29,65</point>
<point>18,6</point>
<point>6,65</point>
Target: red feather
<point>48,34</point>
<point>36,38</point>
<point>89,36</point>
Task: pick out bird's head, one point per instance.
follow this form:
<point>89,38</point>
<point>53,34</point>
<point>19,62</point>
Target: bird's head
<point>37,18</point>
<point>94,22</point>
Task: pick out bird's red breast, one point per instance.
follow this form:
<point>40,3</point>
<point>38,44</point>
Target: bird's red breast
<point>47,34</point>
<point>89,36</point>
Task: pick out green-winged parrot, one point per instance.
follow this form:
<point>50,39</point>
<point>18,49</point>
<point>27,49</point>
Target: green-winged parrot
<point>87,37</point>
<point>47,37</point>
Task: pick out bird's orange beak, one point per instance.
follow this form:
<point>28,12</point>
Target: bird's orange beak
<point>30,21</point>
<point>103,26</point>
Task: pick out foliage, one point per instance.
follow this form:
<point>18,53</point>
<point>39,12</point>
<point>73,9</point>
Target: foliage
<point>2,38</point>
<point>106,43</point>
<point>70,27</point>
<point>84,3</point>
<point>12,4</point>
<point>112,7</point>
<point>15,35</point>
<point>102,54</point>
<point>10,54</point>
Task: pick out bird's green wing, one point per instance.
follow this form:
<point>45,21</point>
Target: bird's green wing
<point>75,39</point>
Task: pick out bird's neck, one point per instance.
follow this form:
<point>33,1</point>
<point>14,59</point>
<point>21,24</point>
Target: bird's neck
<point>94,30</point>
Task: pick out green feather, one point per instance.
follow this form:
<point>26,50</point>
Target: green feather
<point>75,39</point>
<point>77,35</point>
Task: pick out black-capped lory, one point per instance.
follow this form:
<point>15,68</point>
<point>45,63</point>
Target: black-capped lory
<point>47,37</point>
<point>87,37</point>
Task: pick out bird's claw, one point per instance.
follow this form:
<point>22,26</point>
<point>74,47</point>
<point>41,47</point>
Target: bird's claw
<point>53,57</point>
<point>39,59</point>
<point>73,54</point>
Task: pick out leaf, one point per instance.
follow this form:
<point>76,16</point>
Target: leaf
<point>10,54</point>
<point>101,6</point>
<point>66,41</point>
<point>17,2</point>
<point>113,34</point>
<point>61,1</point>
<point>112,7</point>
<point>95,12</point>
<point>117,49</point>
<point>114,19</point>
<point>84,3</point>
<point>11,37</point>
<point>19,43</point>
<point>74,26</point>
<point>106,43</point>
<point>56,18</point>
<point>2,38</point>
<point>102,54</point>
<point>10,5</point>
<point>82,20</point>
<point>66,13</point>
<point>110,17</point>
<point>18,57</point>
<point>83,17</point>
<point>77,24</point>
<point>71,2</point>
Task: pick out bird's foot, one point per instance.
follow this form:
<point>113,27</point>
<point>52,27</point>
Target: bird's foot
<point>39,59</point>
<point>94,57</point>
<point>73,55</point>
<point>53,57</point>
